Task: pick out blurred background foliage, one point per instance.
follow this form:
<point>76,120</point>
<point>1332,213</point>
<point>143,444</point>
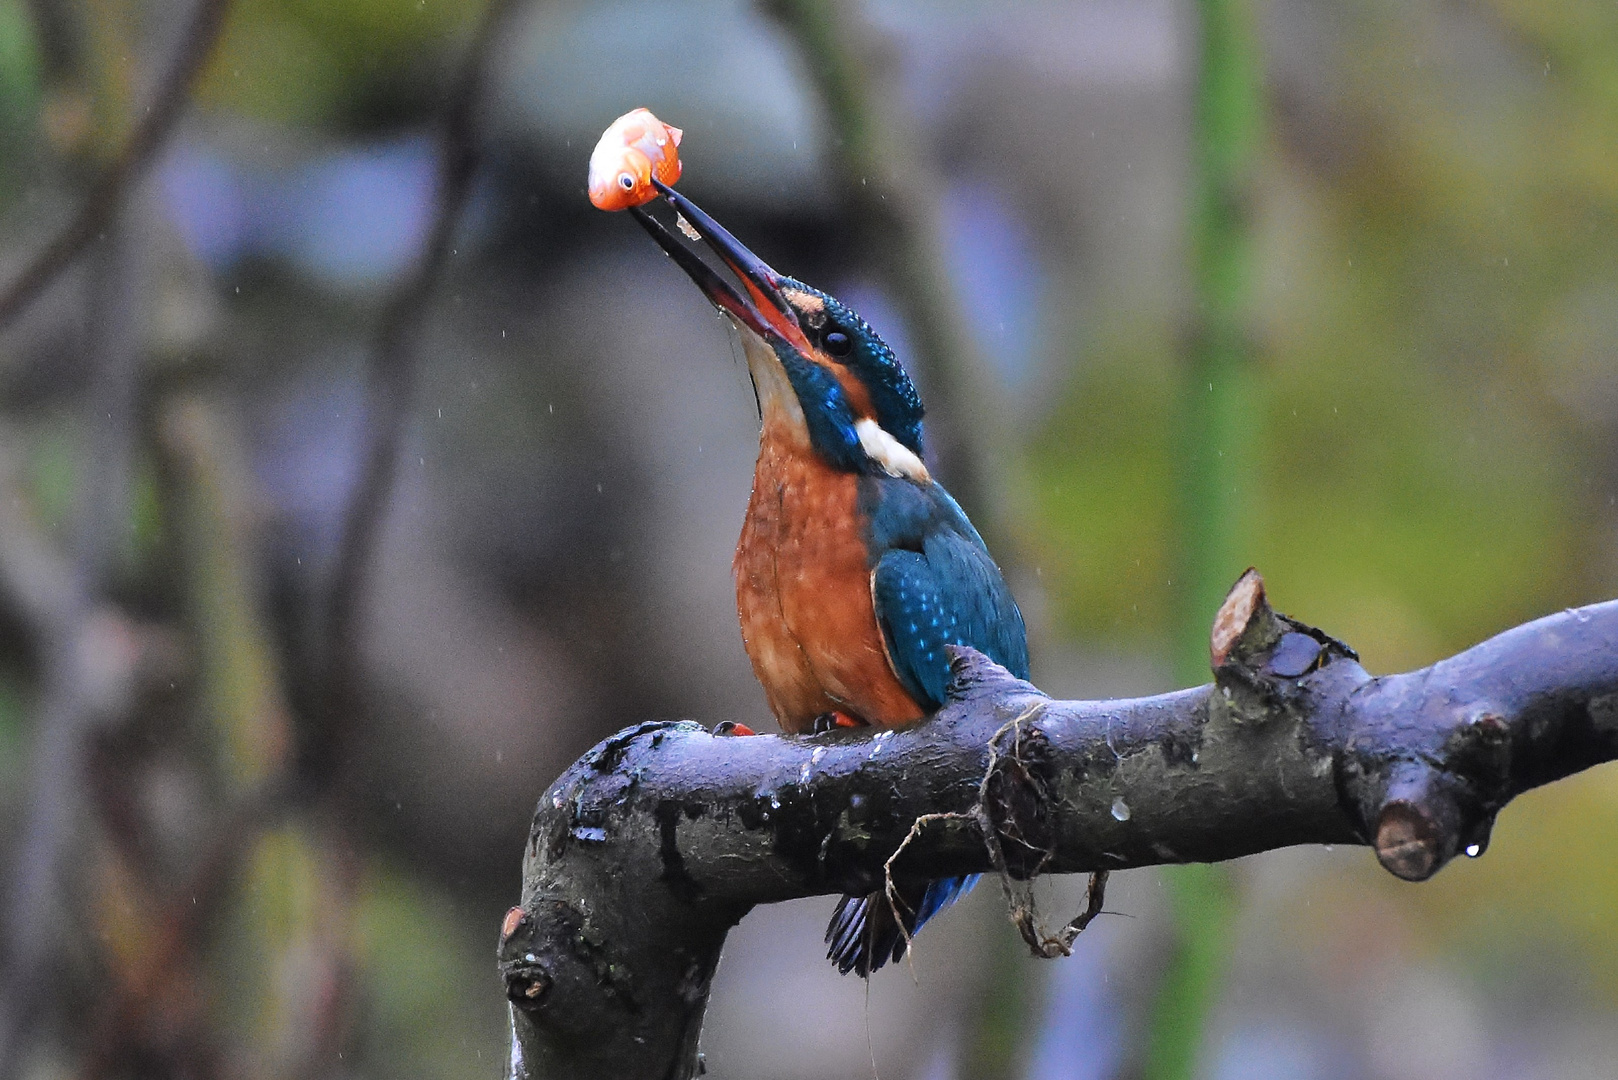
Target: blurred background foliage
<point>228,889</point>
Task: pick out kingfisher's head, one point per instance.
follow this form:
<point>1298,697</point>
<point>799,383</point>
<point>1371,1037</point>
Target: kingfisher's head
<point>823,377</point>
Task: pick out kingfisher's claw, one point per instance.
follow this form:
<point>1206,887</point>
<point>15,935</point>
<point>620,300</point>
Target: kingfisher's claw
<point>828,721</point>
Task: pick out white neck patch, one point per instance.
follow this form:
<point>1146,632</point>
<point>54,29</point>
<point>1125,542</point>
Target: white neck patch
<point>895,458</point>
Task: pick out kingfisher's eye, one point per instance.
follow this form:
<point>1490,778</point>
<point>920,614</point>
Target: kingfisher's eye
<point>837,343</point>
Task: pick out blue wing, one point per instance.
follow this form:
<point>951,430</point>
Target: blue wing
<point>933,584</point>
<point>948,593</point>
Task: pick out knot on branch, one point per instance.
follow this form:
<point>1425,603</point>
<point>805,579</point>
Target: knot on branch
<point>549,959</point>
<point>1258,654</point>
<point>1418,828</point>
<point>527,982</point>
<point>1432,810</point>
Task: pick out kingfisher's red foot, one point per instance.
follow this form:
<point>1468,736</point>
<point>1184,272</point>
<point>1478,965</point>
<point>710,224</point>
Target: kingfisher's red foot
<point>731,727</point>
<point>826,721</point>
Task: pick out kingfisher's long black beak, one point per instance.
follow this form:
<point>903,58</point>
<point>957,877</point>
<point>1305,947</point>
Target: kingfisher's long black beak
<point>764,310</point>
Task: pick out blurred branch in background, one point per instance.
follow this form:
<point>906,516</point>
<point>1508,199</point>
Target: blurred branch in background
<point>91,655</point>
<point>164,977</point>
<point>392,376</point>
<point>893,191</point>
<point>104,741</point>
<point>58,46</point>
<point>90,660</point>
<point>1219,395</point>
<point>1215,460</point>
<point>105,197</point>
<point>335,675</point>
<point>88,669</point>
<point>251,738</point>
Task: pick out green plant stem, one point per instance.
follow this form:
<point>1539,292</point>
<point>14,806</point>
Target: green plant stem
<point>1218,431</point>
<point>1204,906</point>
<point>1218,392</point>
<point>1005,1021</point>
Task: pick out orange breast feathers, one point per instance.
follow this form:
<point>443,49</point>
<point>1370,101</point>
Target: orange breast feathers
<point>803,592</point>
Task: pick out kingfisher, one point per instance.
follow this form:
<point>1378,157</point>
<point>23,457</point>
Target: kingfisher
<point>855,568</point>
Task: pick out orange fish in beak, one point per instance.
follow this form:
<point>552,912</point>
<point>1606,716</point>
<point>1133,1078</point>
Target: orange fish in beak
<point>634,151</point>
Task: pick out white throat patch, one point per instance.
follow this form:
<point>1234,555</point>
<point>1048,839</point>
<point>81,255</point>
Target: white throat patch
<point>895,458</point>
<point>777,401</point>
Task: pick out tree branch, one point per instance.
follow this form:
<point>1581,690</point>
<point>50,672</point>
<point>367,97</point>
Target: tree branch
<point>650,847</point>
<point>106,196</point>
<point>90,654</point>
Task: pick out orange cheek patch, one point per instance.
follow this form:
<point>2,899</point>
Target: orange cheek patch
<point>859,398</point>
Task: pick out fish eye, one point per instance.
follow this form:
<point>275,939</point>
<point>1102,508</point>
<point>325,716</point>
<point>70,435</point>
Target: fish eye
<point>837,343</point>
<point>626,181</point>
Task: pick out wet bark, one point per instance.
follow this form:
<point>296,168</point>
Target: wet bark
<point>650,847</point>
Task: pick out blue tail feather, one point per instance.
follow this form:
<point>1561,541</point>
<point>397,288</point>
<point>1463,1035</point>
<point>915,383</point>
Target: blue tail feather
<point>940,895</point>
<point>863,934</point>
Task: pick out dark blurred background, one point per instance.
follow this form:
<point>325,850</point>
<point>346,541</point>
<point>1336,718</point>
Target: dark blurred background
<point>258,822</point>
